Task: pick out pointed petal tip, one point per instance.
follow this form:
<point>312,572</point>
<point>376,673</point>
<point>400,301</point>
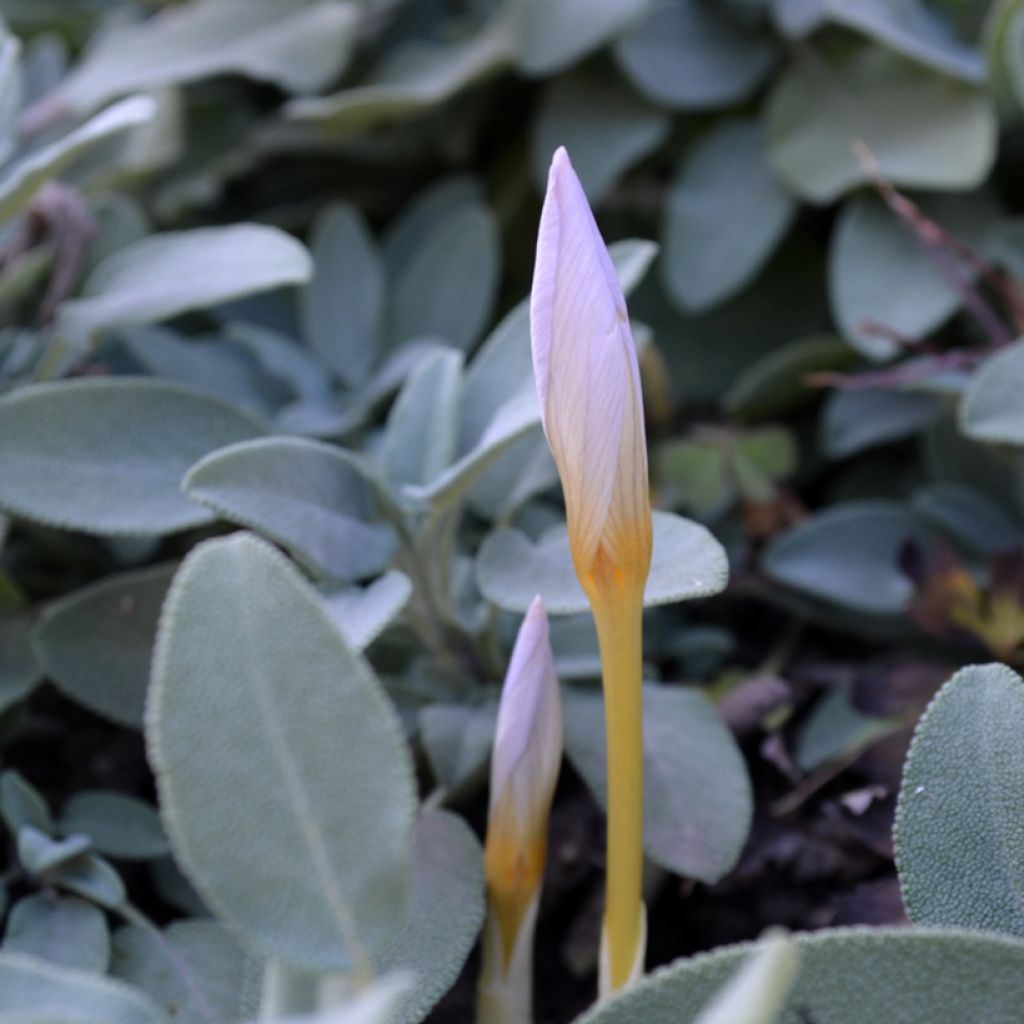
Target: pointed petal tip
<point>536,609</point>
<point>562,171</point>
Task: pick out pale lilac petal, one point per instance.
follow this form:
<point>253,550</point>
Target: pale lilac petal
<point>584,362</point>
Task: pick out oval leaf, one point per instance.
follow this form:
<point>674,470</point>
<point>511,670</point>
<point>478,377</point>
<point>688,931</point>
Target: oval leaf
<point>107,455</point>
<point>117,825</point>
<point>604,127</point>
<point>691,55</point>
<point>259,712</point>
<point>431,297</point>
<point>309,496</point>
<point>63,930</point>
<point>298,45</point>
<point>173,272</point>
<point>31,989</point>
<point>991,409</point>
<point>26,177</point>
<point>697,799</point>
<point>195,970</point>
<point>686,562</point>
<point>849,554</point>
<point>96,643</point>
<point>879,272</point>
<point>446,910</point>
<point>726,213</point>
<point>959,847</point>
<point>849,976</point>
<point>343,304</point>
<point>940,134</point>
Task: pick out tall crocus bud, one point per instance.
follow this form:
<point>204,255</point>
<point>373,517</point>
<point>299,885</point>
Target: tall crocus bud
<point>524,768</point>
<point>588,381</point>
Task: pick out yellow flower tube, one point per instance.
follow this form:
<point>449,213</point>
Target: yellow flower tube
<point>524,769</point>
<point>588,383</point>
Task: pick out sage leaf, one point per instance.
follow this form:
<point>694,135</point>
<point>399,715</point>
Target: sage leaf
<point>170,273</point>
<point>697,796</point>
<point>241,636</point>
<point>687,562</point>
<point>309,496</point>
<point>62,930</point>
<point>96,643</point>
<point>959,847</point>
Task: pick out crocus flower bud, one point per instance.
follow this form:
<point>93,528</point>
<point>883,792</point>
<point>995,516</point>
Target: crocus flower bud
<point>524,769</point>
<point>588,382</point>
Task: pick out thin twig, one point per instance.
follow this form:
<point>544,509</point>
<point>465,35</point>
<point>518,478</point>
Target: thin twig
<point>945,252</point>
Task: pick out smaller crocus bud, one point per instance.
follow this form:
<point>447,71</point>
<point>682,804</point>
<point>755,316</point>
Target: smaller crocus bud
<point>524,769</point>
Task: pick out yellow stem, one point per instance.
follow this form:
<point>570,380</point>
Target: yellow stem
<point>619,620</point>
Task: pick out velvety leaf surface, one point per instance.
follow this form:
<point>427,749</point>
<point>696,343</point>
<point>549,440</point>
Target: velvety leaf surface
<point>960,821</point>
<point>697,798</point>
<point>880,273</point>
<point>96,643</point>
<point>117,825</point>
<point>297,45</point>
<point>756,993</point>
<point>107,455</point>
<point>363,613</point>
<point>62,930</point>
<point>233,750</point>
<point>550,37</point>
<point>854,420</point>
<point>195,970</point>
<point>605,127</point>
<point>689,55</point>
<point>420,436</point>
<point>308,496</point>
<point>924,129</point>
<point>446,911</point>
<point>343,304</point>
<point>687,562</point>
<point>21,182</point>
<point>409,80</point>
<point>430,297</point>
<point>991,409</point>
<point>849,554</point>
<point>848,976</point>
<point>176,271</point>
<point>38,991</point>
<point>725,214</point>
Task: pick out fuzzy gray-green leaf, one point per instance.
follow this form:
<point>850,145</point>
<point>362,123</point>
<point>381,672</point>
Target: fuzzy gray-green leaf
<point>686,562</point>
<point>96,643</point>
<point>696,790</point>
<point>315,794</point>
<point>849,976</point>
<point>118,825</point>
<point>689,55</point>
<point>991,409</point>
<point>195,970</point>
<point>63,930</point>
<point>725,214</point>
<point>106,455</point>
<point>309,496</point>
<point>31,989</point>
<point>960,821</point>
<point>170,273</point>
<point>446,910</point>
<point>925,130</point>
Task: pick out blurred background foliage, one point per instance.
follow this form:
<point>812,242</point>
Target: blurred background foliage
<point>829,343</point>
